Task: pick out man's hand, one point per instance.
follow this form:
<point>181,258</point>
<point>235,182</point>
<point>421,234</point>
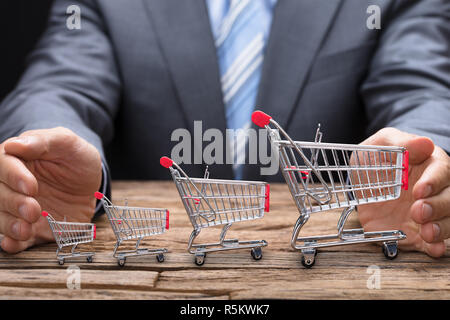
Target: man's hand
<point>423,211</point>
<point>53,170</point>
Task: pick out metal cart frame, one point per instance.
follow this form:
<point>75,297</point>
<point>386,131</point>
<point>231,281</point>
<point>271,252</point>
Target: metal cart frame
<point>357,175</point>
<point>214,202</point>
<point>71,234</point>
<point>134,223</point>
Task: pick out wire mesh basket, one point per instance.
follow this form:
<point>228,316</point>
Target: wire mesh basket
<point>135,223</point>
<point>326,176</point>
<point>214,202</point>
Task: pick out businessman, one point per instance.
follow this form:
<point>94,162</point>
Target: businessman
<point>109,92</point>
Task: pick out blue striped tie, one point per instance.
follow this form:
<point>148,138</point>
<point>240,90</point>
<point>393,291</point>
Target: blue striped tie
<point>240,43</point>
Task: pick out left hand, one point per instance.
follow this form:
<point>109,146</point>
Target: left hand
<point>423,211</point>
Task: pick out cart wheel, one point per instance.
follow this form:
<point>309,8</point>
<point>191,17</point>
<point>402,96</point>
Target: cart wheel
<point>390,249</point>
<point>61,262</point>
<point>256,253</point>
<point>89,259</point>
<point>121,262</point>
<point>200,259</point>
<point>160,257</point>
<point>308,262</point>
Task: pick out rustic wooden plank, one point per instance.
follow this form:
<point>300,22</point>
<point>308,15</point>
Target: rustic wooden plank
<point>301,284</point>
<point>98,294</point>
<point>315,293</point>
<point>88,279</point>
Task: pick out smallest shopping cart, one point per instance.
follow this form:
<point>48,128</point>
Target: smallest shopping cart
<point>71,234</point>
<point>134,223</point>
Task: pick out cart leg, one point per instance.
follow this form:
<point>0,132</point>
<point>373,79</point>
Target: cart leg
<point>298,226</point>
<point>343,219</point>
<point>224,232</point>
<point>60,258</point>
<point>115,248</point>
<point>138,242</point>
<point>199,256</point>
<point>194,235</point>
<point>73,248</point>
<point>227,242</point>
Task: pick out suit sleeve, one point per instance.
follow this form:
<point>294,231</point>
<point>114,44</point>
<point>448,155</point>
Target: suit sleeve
<point>408,85</point>
<point>71,80</point>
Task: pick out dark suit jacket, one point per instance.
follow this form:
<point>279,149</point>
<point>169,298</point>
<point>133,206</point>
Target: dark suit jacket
<point>139,69</point>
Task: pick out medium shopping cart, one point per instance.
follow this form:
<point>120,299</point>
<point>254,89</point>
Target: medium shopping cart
<point>71,234</point>
<point>213,202</point>
<point>134,223</point>
<point>325,176</point>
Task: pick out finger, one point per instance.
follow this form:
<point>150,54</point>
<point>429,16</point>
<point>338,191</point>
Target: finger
<point>19,205</point>
<point>435,250</point>
<point>434,178</point>
<point>16,175</point>
<point>436,231</point>
<point>420,148</point>
<point>13,227</point>
<point>432,209</point>
<point>45,144</point>
<point>14,246</point>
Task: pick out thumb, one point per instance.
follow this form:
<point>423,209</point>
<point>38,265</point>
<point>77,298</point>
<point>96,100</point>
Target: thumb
<point>420,148</point>
<point>45,144</point>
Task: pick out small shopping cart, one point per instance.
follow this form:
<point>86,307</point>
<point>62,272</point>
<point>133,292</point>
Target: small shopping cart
<point>135,223</point>
<point>325,176</point>
<point>213,202</point>
<point>71,234</point>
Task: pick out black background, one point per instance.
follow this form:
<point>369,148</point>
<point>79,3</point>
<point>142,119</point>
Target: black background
<point>21,24</point>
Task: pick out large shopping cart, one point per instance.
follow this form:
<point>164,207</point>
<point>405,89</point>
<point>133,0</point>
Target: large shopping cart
<point>71,234</point>
<point>135,223</point>
<point>213,202</point>
<point>325,176</point>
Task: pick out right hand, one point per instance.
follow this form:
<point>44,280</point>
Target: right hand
<point>49,169</point>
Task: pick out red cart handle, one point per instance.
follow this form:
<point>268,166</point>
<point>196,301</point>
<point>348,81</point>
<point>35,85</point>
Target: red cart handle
<point>260,118</point>
<point>44,213</point>
<point>166,162</point>
<point>405,170</point>
<point>167,219</point>
<point>99,195</point>
<point>267,199</point>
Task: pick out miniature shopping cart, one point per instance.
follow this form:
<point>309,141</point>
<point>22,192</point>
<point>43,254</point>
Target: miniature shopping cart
<point>71,234</point>
<point>326,176</point>
<point>212,202</point>
<point>133,223</point>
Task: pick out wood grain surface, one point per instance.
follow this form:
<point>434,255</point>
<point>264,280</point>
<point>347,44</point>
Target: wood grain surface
<point>339,272</point>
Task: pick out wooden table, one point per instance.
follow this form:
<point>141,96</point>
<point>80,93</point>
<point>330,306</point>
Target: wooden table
<point>339,273</point>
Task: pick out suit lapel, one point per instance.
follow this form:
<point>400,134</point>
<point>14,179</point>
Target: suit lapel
<point>297,32</point>
<point>184,34</point>
<point>298,29</point>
